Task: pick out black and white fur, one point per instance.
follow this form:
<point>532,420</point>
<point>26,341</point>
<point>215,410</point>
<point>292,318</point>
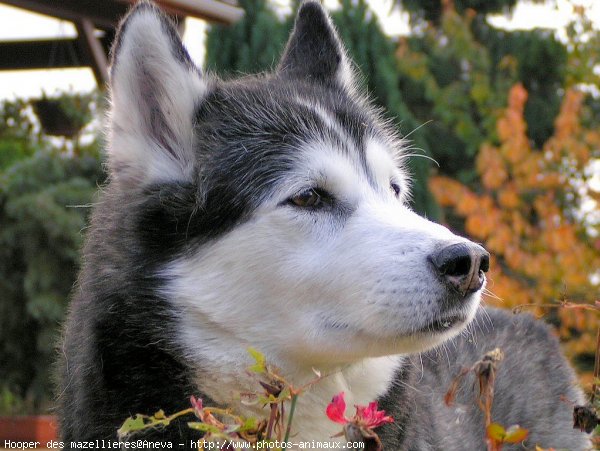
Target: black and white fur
<point>195,252</point>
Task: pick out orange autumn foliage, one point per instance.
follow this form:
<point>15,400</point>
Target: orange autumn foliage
<point>526,212</point>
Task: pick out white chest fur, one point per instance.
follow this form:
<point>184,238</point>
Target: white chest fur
<point>362,382</point>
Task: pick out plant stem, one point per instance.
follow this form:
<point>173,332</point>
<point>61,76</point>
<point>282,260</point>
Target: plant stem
<point>289,425</point>
<point>596,367</point>
<point>272,419</point>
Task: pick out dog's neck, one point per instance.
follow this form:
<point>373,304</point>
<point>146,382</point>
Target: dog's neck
<point>363,381</point>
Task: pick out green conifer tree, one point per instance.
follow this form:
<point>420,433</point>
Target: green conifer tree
<point>249,46</point>
<point>43,196</point>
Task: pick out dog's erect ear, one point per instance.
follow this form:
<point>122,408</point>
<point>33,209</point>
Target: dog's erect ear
<point>155,88</point>
<point>314,50</point>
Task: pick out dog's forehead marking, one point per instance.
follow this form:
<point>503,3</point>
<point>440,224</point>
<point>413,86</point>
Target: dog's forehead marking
<point>327,118</point>
<point>379,161</point>
<point>324,164</point>
<point>369,152</point>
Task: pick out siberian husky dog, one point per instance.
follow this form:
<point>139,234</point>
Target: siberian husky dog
<point>271,212</point>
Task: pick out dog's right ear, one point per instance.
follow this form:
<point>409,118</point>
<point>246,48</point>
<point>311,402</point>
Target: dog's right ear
<point>315,52</point>
<point>155,88</point>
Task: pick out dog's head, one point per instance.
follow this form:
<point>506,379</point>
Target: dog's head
<point>276,205</point>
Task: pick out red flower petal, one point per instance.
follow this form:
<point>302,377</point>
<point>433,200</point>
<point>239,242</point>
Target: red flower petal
<point>370,416</point>
<point>336,409</point>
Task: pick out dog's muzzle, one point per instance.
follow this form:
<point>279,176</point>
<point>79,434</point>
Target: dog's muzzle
<point>461,266</point>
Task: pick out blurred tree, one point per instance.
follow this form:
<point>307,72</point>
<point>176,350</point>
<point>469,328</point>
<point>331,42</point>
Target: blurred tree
<point>456,73</point>
<point>43,194</point>
<point>433,10</point>
<point>528,213</point>
<point>584,50</point>
<point>17,137</point>
<point>249,46</point>
<point>445,76</point>
<point>544,82</point>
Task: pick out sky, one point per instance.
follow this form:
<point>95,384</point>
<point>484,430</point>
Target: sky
<point>18,24</point>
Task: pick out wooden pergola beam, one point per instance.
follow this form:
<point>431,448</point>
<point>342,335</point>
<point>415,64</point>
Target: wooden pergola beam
<point>45,54</point>
<point>93,50</point>
<point>211,10</point>
<point>87,15</point>
<point>105,14</point>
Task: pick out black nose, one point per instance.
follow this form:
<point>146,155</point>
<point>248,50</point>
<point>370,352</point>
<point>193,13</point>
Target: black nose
<point>462,266</point>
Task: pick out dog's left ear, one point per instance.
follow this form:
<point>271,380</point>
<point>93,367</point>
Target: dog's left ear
<point>314,50</point>
<point>155,89</point>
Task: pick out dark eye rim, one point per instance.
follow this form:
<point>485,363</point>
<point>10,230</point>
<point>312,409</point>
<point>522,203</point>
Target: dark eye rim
<point>395,187</point>
<point>319,198</point>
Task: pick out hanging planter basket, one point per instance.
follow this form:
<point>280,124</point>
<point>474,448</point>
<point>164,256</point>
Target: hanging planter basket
<point>64,116</point>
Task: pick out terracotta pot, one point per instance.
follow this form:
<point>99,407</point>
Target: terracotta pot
<point>41,428</point>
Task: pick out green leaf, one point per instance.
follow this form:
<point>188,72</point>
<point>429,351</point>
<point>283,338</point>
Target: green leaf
<point>496,432</point>
<point>269,400</point>
<point>259,361</point>
<point>249,425</point>
<point>130,425</point>
<point>284,395</point>
<point>203,427</point>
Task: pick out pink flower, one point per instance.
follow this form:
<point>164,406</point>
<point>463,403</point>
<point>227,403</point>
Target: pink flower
<point>197,405</point>
<point>366,416</point>
<point>336,409</point>
<point>371,416</point>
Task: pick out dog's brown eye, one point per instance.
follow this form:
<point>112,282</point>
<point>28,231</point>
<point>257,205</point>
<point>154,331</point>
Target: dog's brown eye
<point>395,189</point>
<point>308,198</point>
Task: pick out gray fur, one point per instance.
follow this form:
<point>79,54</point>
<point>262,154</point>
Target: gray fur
<point>535,388</point>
